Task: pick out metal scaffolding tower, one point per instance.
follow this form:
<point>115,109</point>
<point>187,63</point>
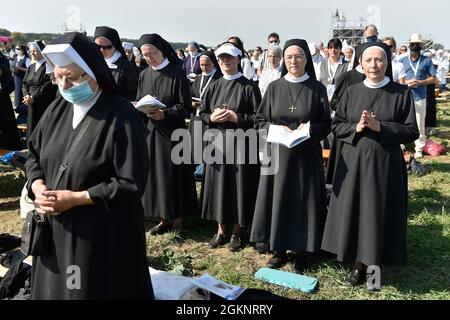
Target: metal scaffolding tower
<point>351,31</point>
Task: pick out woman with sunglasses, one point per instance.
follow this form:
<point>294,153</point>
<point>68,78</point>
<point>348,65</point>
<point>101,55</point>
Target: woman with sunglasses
<point>108,41</point>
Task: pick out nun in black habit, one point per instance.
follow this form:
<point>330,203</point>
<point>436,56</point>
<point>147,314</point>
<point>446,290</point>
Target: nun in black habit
<point>170,193</point>
<point>354,76</point>
<point>231,181</point>
<point>108,41</point>
<point>210,72</point>
<point>9,136</point>
<point>290,207</point>
<point>95,212</point>
<point>367,215</point>
<point>37,87</point>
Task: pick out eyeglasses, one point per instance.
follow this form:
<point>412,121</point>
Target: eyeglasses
<point>105,47</point>
<point>296,58</point>
<point>71,80</point>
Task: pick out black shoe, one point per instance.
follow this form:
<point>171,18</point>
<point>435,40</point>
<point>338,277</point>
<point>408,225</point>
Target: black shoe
<point>278,260</point>
<point>217,240</point>
<point>235,243</point>
<point>356,277</point>
<point>161,229</point>
<point>300,264</point>
<point>262,247</point>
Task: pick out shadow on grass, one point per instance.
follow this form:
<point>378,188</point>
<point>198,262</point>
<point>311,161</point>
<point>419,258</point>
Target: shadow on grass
<point>427,268</point>
<point>429,262</point>
<point>10,205</point>
<point>439,167</point>
<point>430,200</point>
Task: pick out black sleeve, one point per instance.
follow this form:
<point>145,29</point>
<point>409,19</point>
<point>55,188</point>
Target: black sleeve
<point>183,108</point>
<point>321,127</point>
<point>6,81</point>
<point>32,165</point>
<point>130,81</point>
<point>46,89</point>
<point>342,128</point>
<point>253,97</point>
<point>205,108</point>
<point>263,116</point>
<point>25,89</point>
<point>131,165</point>
<point>341,86</point>
<point>405,131</point>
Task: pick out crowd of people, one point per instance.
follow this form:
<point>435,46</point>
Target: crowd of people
<point>96,166</point>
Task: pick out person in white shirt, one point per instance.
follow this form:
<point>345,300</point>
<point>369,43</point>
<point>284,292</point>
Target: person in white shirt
<point>398,71</point>
<point>317,57</point>
<point>273,40</point>
<point>442,68</point>
<point>256,60</point>
<point>273,72</point>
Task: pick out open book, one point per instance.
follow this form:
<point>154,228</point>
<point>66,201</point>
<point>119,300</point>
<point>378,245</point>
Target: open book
<point>282,135</point>
<point>220,288</point>
<point>148,103</point>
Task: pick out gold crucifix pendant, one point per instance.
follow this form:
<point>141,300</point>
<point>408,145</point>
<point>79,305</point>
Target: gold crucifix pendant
<point>292,108</point>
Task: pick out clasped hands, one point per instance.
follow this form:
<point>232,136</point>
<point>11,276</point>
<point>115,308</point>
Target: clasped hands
<point>368,121</point>
<point>55,202</point>
<point>221,115</point>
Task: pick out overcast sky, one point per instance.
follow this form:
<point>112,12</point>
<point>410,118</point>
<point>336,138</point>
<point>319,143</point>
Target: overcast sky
<point>211,21</point>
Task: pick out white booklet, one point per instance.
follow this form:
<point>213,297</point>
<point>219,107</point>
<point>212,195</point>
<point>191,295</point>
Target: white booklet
<point>220,288</point>
<point>148,103</point>
<point>282,135</point>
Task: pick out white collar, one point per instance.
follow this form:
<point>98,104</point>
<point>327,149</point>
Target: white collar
<point>162,65</point>
<point>111,60</point>
<point>233,77</point>
<point>378,85</point>
<point>209,74</point>
<point>39,64</point>
<point>291,79</point>
<point>80,111</point>
<point>360,69</point>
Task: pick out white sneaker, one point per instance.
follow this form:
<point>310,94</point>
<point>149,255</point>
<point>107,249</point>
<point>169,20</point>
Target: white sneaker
<point>418,155</point>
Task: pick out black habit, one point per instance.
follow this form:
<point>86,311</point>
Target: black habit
<point>367,215</point>
<point>124,74</point>
<point>343,83</point>
<point>170,191</point>
<point>106,240</point>
<point>290,208</point>
<point>37,83</point>
<point>230,189</point>
<point>126,78</point>
<point>9,136</point>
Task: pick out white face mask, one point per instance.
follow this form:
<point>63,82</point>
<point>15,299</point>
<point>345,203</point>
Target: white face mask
<point>193,53</point>
<point>18,52</point>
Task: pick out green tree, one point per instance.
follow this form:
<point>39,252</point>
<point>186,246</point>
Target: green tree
<point>19,37</point>
<point>438,46</point>
<point>4,32</point>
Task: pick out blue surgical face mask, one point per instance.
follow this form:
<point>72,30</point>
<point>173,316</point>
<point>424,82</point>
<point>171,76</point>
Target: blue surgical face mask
<point>79,94</point>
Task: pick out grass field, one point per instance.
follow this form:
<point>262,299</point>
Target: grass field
<point>425,277</point>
